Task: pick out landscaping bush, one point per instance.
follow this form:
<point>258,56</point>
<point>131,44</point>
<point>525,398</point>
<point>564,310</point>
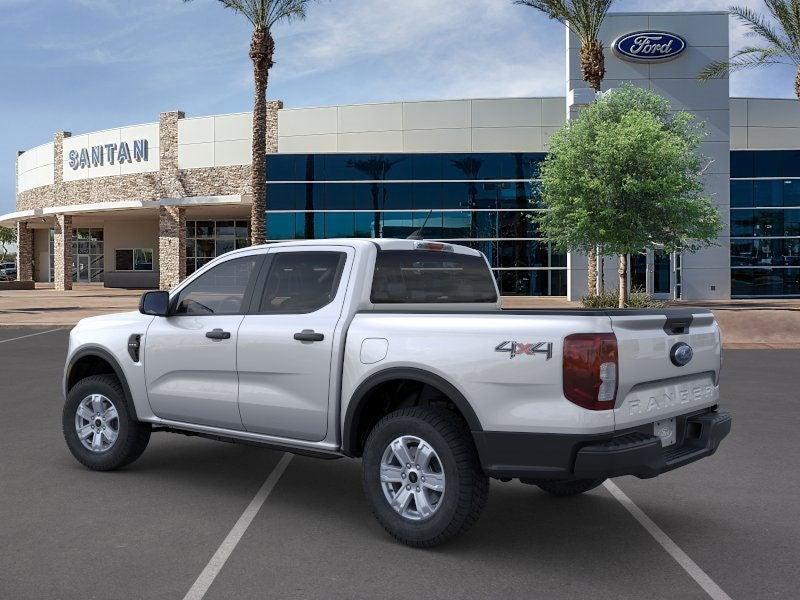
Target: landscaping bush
<point>610,299</point>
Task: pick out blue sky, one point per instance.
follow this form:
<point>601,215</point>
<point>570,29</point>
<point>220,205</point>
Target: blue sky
<point>84,65</point>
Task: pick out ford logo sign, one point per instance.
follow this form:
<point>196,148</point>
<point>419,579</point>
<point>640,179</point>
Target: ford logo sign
<point>681,354</point>
<point>649,46</point>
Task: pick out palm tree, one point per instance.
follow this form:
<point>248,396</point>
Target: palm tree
<point>263,15</point>
<point>584,19</point>
<point>779,41</point>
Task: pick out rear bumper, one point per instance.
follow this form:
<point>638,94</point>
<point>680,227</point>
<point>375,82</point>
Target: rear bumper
<point>632,452</point>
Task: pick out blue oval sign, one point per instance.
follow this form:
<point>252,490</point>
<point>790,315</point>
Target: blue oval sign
<point>649,46</point>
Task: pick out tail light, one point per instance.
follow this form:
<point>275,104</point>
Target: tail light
<point>590,370</point>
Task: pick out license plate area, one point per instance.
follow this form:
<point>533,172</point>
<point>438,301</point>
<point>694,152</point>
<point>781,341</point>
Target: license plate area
<point>666,430</point>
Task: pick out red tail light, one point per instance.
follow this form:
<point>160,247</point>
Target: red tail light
<point>590,370</point>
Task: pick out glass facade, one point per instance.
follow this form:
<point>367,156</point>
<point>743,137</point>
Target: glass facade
<point>484,201</point>
<point>765,223</point>
<point>205,240</point>
<point>88,262</point>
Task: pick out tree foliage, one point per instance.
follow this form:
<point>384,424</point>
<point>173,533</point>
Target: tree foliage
<point>8,236</point>
<point>777,36</point>
<point>626,175</point>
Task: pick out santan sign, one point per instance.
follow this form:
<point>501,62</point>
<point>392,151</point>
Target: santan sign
<point>97,156</point>
<point>649,46</point>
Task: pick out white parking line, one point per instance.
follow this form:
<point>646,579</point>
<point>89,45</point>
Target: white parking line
<point>688,565</point>
<point>228,545</point>
<point>22,337</point>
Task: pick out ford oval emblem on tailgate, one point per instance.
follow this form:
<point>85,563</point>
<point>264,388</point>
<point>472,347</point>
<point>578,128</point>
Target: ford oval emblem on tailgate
<point>681,354</point>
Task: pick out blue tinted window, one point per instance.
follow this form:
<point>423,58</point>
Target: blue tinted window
<point>426,195</point>
<point>398,224</point>
<point>455,195</point>
<point>365,225</point>
<point>456,225</point>
<point>367,196</point>
<point>765,282</point>
<point>768,193</point>
<point>741,194</point>
<point>281,167</point>
<point>426,166</point>
<point>778,253</point>
<point>282,196</point>
<point>280,226</point>
<point>464,166</point>
<point>768,164</point>
<point>396,196</point>
<point>742,164</point>
<point>339,225</point>
<point>791,193</point>
<point>339,196</point>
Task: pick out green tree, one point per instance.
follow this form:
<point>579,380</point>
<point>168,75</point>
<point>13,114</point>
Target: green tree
<point>584,19</point>
<point>263,15</point>
<point>626,175</point>
<point>8,236</point>
<point>778,40</point>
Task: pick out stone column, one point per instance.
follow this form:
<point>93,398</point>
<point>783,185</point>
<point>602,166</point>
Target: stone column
<point>171,185</point>
<point>24,252</point>
<point>62,250</point>
<point>171,246</point>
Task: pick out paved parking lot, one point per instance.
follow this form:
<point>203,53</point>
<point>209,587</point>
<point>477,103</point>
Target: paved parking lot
<point>150,530</point>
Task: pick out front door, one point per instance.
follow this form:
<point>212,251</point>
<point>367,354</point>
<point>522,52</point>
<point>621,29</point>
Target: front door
<point>286,343</point>
<point>190,356</point>
<point>83,269</point>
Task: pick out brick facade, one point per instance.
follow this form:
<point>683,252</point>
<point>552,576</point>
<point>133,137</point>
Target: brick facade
<point>24,252</point>
<point>171,246</point>
<point>62,250</point>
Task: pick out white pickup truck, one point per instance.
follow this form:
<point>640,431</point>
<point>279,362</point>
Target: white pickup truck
<point>398,352</point>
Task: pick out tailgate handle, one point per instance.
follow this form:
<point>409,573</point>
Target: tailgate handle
<point>678,325</point>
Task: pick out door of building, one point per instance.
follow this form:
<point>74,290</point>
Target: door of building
<point>653,272</point>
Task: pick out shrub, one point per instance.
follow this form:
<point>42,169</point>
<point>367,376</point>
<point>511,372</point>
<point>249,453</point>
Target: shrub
<point>610,299</point>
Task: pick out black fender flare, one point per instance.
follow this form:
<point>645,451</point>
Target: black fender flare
<point>100,352</point>
<point>358,401</point>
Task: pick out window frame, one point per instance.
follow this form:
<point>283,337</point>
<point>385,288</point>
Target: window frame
<point>266,270</point>
<point>247,298</point>
<point>133,260</point>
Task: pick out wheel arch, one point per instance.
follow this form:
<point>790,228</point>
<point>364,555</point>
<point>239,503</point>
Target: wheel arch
<point>95,360</point>
<point>362,396</point>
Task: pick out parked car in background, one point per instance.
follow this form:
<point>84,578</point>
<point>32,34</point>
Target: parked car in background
<point>8,271</point>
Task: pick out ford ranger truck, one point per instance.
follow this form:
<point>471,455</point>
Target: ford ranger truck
<point>397,352</point>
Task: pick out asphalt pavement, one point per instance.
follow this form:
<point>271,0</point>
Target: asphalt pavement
<point>150,530</point>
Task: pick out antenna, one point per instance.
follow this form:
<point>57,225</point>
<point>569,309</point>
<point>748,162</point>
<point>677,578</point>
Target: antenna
<point>417,235</point>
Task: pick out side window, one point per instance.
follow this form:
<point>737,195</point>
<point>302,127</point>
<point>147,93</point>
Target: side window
<point>220,291</point>
<point>301,282</point>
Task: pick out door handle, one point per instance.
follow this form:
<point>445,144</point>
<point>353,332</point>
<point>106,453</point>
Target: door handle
<point>308,335</point>
<point>218,334</point>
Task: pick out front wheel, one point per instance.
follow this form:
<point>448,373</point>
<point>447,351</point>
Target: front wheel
<point>422,476</point>
<point>97,425</point>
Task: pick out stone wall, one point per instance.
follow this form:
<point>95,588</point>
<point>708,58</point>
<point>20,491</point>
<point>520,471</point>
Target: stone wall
<point>24,252</point>
<point>62,251</point>
<point>171,246</point>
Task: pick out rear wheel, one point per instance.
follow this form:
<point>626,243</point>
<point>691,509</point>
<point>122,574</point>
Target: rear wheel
<point>569,487</point>
<point>97,425</point>
<point>422,476</point>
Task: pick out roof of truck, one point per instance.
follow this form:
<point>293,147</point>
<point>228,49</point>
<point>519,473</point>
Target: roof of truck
<point>382,243</point>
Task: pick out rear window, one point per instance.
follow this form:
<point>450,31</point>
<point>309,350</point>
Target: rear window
<point>422,276</point>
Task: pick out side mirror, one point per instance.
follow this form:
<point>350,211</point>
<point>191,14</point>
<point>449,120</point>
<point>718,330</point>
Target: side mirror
<point>155,304</point>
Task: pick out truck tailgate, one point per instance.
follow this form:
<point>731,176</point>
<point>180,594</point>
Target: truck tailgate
<point>651,386</point>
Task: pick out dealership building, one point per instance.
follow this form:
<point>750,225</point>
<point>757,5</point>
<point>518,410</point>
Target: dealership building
<point>146,205</point>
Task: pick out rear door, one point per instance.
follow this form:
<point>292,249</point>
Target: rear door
<point>285,346</point>
<point>653,384</point>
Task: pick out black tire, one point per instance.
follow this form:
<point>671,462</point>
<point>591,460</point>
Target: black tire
<point>466,485</point>
<point>568,487</point>
<point>132,437</point>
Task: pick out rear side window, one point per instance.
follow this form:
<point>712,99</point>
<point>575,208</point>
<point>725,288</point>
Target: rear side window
<point>301,282</point>
<point>422,277</point>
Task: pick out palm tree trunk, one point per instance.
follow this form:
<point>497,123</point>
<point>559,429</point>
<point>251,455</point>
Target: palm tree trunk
<point>797,84</point>
<point>593,70</point>
<point>262,48</point>
<point>593,67</point>
<point>623,280</point>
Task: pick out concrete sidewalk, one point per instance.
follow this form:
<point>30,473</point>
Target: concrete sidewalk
<point>744,323</point>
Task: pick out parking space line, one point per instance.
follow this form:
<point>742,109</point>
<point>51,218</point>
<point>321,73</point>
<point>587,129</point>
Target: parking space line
<point>214,566</point>
<point>688,565</point>
<point>22,337</point>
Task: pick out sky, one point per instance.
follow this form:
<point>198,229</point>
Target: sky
<point>86,65</point>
